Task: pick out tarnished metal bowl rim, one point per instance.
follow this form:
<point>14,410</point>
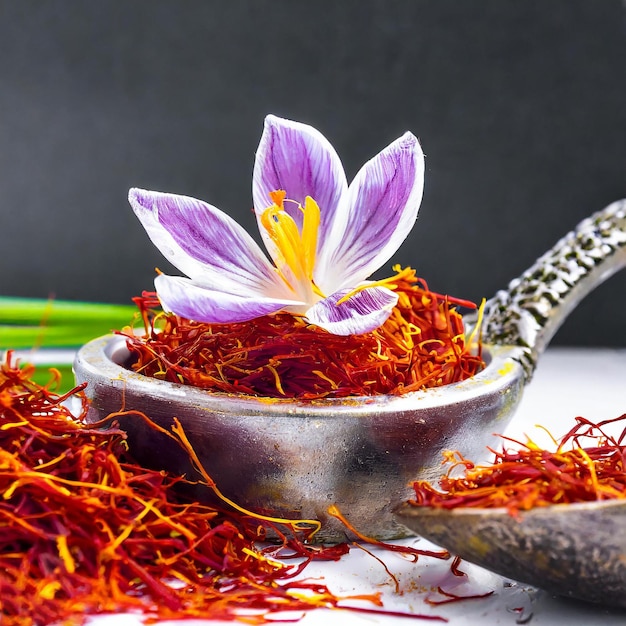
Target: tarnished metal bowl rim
<point>107,358</point>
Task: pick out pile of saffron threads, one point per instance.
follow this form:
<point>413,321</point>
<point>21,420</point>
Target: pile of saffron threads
<point>587,465</point>
<point>421,345</point>
<point>84,530</point>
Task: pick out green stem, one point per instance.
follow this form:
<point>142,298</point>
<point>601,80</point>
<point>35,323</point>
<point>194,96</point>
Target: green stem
<point>50,336</point>
<point>27,322</point>
<point>52,312</point>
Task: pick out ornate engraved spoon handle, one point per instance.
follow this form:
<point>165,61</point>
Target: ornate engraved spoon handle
<point>534,306</point>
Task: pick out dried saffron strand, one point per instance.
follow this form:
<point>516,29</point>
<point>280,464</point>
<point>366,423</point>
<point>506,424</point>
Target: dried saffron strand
<point>309,527</point>
<point>421,345</point>
<point>334,511</point>
<point>455,567</point>
<point>414,553</point>
<point>587,465</point>
<point>449,598</point>
<point>85,530</point>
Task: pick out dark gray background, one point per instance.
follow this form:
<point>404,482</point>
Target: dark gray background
<point>520,108</point>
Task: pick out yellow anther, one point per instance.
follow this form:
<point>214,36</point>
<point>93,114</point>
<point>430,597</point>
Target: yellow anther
<point>472,339</point>
<point>297,247</point>
<point>310,229</point>
<point>390,283</point>
<point>283,231</point>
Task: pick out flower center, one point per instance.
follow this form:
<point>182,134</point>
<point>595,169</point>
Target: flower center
<point>296,246</point>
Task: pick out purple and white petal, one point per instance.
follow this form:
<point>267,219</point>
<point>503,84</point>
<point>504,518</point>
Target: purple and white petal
<point>298,159</point>
<point>206,244</point>
<point>362,313</point>
<point>382,206</point>
<point>185,298</point>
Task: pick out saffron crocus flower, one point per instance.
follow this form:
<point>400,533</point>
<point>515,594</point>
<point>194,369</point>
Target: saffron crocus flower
<point>325,238</point>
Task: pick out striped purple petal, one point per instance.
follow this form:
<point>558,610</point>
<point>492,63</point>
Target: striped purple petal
<point>298,159</point>
<point>362,313</point>
<point>206,244</point>
<point>189,300</point>
<point>382,206</point>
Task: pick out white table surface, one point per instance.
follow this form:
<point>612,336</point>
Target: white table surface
<point>567,383</point>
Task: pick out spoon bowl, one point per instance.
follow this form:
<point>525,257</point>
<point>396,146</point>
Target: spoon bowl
<point>574,550</point>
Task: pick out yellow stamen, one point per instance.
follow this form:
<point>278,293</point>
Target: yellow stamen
<point>298,248</point>
<point>284,233</point>
<point>472,339</point>
<point>404,274</point>
<point>310,228</point>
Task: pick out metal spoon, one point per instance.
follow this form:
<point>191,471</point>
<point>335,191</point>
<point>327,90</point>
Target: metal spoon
<point>575,550</point>
<point>296,458</point>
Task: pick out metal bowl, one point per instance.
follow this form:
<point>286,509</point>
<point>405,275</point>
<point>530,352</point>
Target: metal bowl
<point>295,459</point>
